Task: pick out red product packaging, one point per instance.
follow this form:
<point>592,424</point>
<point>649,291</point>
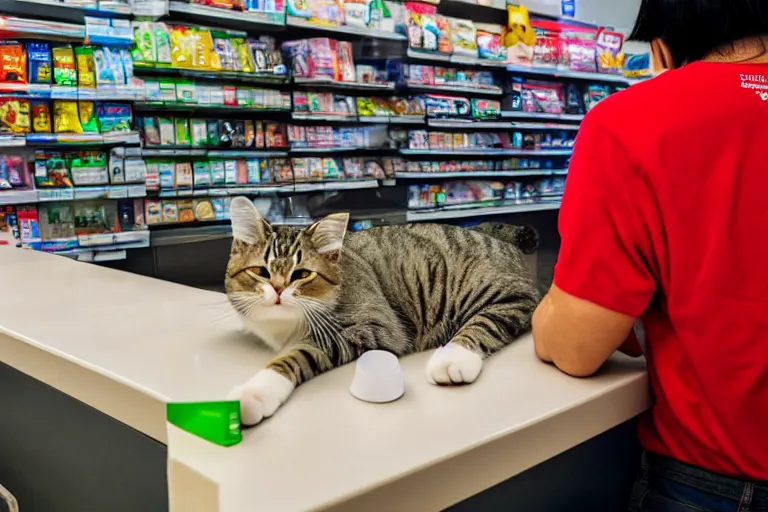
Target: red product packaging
<point>543,97</point>
<point>548,50</point>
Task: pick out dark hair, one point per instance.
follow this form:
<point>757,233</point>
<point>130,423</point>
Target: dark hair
<point>694,28</point>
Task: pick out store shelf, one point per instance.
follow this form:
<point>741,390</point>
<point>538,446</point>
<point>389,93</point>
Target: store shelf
<point>212,153</point>
<point>57,92</point>
<point>114,249</point>
<point>489,91</point>
<point>144,106</point>
<point>468,124</point>
<point>248,21</point>
<point>568,73</point>
<point>266,190</point>
<point>293,21</point>
<point>427,56</point>
<point>338,84</point>
<point>511,114</point>
<point>312,116</point>
<point>189,234</point>
<point>487,152</point>
<point>23,27</point>
<point>501,125</point>
<point>544,126</point>
<point>479,174</point>
<point>393,119</point>
<point>220,76</point>
<point>480,211</point>
<point>335,150</point>
<point>68,139</point>
<point>12,197</point>
<point>44,195</point>
<point>70,12</point>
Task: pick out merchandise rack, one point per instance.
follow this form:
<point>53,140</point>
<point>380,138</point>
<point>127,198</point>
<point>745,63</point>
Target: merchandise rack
<point>65,21</point>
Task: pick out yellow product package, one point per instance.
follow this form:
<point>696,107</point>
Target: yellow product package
<point>66,118</point>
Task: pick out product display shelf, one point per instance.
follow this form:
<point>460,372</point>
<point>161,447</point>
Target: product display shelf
<point>13,197</point>
<point>317,117</point>
<point>241,20</point>
<point>208,109</point>
<point>450,89</point>
<point>230,77</point>
<point>441,59</point>
<point>463,211</point>
<point>487,152</point>
<point>480,174</point>
<point>469,124</point>
<point>303,23</point>
<point>72,12</point>
<point>82,193</point>
<point>68,139</point>
<point>211,153</point>
<point>510,114</point>
<point>42,29</point>
<point>266,189</point>
<point>112,251</point>
<point>338,84</point>
<point>57,92</point>
<point>413,120</point>
<point>341,149</point>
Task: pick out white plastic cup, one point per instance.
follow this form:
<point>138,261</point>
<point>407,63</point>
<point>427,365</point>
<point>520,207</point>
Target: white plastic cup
<point>378,378</point>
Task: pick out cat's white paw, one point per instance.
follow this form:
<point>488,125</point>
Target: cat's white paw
<point>261,396</point>
<point>454,364</point>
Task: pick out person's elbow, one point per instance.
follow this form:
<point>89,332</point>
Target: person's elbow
<point>571,362</point>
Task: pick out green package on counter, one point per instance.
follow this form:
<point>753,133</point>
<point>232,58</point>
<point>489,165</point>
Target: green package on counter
<point>216,422</point>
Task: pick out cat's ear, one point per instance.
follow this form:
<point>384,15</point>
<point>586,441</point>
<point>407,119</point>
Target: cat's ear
<point>327,234</point>
<point>248,227</point>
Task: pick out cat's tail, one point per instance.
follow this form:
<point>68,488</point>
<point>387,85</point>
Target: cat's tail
<point>525,238</point>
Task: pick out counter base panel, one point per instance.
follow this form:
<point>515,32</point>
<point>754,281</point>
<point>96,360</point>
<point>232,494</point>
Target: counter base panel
<point>59,454</point>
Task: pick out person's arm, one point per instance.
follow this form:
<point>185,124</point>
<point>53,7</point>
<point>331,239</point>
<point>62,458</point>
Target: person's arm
<point>576,335</point>
<point>603,282</point>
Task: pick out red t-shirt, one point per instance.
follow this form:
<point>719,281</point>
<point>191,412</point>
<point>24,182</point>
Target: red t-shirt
<point>665,217</point>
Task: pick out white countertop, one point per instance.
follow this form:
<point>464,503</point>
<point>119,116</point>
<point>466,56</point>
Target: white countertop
<point>127,344</point>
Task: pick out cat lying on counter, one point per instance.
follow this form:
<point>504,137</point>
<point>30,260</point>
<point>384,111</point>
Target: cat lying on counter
<point>320,297</point>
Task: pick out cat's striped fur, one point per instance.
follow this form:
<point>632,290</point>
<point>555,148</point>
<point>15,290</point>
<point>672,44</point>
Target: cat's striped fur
<point>401,288</point>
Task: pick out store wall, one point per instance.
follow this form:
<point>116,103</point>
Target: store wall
<point>619,14</point>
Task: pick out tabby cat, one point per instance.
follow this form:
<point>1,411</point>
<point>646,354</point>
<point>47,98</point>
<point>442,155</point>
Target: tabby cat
<point>401,288</point>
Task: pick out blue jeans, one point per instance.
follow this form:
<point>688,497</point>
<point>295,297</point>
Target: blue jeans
<point>666,485</point>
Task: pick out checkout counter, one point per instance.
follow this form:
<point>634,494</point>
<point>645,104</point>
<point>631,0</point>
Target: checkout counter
<point>89,357</point>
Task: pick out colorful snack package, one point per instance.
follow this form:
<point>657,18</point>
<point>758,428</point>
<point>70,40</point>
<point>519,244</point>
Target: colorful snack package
<point>66,117</point>
<point>186,210</point>
<point>13,62</point>
<point>64,68</point>
<point>153,211</point>
<point>39,58</point>
<point>170,211</point>
<point>203,209</point>
<point>151,131</point>
<point>184,175</point>
<point>87,112</point>
<point>202,174</point>
<point>167,131</point>
<point>14,115</point>
<point>181,132</point>
<point>105,75</point>
<point>199,130</point>
<point>41,117</point>
<point>610,58</point>
<point>86,75</point>
<point>114,117</point>
<point>125,58</point>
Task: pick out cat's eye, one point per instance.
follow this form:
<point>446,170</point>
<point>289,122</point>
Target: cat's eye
<point>298,275</point>
<point>259,271</point>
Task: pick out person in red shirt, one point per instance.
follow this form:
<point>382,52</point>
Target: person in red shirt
<point>665,219</point>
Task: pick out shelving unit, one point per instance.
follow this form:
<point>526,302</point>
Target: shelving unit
<point>381,101</point>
